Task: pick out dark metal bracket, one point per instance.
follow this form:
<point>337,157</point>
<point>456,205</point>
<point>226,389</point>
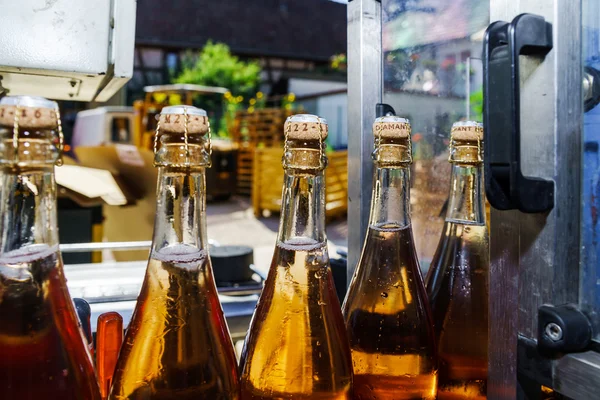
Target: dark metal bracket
<point>382,110</point>
<point>506,187</point>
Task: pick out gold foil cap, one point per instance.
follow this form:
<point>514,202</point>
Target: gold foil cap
<point>393,147</point>
<point>391,127</point>
<point>304,147</point>
<point>466,143</point>
<point>179,119</point>
<point>32,112</point>
<point>186,146</point>
<point>467,131</point>
<point>305,127</point>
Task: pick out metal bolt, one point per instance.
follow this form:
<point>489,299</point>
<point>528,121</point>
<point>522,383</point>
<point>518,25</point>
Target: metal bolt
<point>588,86</point>
<point>553,331</point>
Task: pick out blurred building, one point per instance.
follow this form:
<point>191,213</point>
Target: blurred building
<point>293,40</point>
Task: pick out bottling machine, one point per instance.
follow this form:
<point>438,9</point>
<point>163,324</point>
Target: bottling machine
<point>527,70</point>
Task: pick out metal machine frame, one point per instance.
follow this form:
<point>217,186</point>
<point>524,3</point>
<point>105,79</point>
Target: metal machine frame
<point>535,257</point>
<point>365,89</point>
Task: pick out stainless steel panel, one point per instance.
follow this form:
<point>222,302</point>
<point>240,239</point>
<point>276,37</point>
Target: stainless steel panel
<point>577,376</point>
<point>551,110</point>
<point>568,112</point>
<point>504,276</point>
<point>364,91</point>
<point>537,252</point>
<point>504,298</point>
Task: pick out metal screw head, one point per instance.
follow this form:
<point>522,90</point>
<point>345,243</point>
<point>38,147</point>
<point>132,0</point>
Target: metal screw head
<point>553,331</point>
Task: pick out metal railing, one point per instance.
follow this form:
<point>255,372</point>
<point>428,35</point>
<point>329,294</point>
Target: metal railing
<point>115,246</point>
<point>98,246</point>
<point>90,269</point>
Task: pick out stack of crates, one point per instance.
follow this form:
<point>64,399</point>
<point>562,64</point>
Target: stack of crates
<point>261,128</point>
<point>268,180</point>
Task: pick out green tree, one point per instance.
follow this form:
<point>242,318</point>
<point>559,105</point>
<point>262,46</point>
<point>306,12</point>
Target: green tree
<point>216,66</point>
<point>476,100</point>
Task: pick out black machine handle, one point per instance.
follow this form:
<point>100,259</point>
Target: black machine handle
<point>506,187</point>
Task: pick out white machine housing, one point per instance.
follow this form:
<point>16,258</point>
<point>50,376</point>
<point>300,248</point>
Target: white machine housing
<point>66,49</point>
<point>103,125</point>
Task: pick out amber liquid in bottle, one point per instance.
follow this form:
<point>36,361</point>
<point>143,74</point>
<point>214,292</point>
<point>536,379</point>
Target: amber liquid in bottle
<point>386,310</point>
<point>457,285</point>
<point>177,345</point>
<point>43,353</point>
<point>297,347</point>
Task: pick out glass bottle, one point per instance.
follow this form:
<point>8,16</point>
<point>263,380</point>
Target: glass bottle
<point>43,353</point>
<point>177,344</point>
<point>386,310</point>
<point>457,281</point>
<point>297,347</point>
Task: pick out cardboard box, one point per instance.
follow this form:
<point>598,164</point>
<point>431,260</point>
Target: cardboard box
<point>133,168</point>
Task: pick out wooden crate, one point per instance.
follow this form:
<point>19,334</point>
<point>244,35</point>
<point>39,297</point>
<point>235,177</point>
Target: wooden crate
<point>260,127</point>
<point>336,184</point>
<point>251,130</point>
<point>268,182</point>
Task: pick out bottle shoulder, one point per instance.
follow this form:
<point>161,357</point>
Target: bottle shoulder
<point>297,326</point>
<point>388,271</point>
<point>177,328</point>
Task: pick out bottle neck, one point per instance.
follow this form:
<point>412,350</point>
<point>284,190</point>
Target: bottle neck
<point>27,208</point>
<point>302,208</point>
<point>466,202</point>
<point>390,204</point>
<point>180,222</point>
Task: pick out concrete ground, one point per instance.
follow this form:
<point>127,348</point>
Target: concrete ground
<point>233,222</point>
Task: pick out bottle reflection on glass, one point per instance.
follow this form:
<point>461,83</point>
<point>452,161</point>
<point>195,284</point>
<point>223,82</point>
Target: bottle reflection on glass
<point>457,281</point>
<point>386,310</point>
<point>297,346</point>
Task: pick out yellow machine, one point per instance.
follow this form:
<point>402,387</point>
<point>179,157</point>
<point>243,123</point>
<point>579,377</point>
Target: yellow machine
<point>158,97</point>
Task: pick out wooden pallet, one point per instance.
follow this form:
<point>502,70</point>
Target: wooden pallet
<point>336,184</point>
<point>257,129</point>
<point>268,182</point>
<point>260,127</point>
<point>244,170</point>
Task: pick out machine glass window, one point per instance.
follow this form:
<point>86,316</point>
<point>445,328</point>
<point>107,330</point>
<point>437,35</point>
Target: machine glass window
<point>121,130</point>
<point>432,74</point>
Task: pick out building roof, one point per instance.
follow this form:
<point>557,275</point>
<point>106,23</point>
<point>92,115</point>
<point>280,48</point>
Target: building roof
<point>294,29</point>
